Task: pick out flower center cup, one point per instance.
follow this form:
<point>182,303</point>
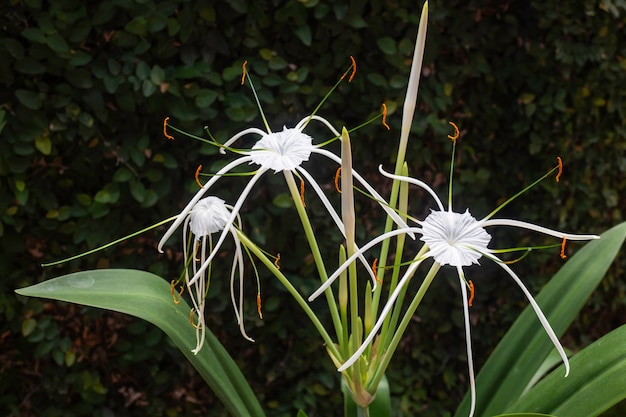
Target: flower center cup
<point>454,238</point>
<point>282,151</point>
<point>208,216</point>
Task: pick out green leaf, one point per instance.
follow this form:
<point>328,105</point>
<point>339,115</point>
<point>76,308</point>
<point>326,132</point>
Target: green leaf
<point>34,34</point>
<point>29,66</point>
<point>28,326</point>
<point>28,98</point>
<point>157,75</point>
<point>303,33</point>
<point>149,199</point>
<point>43,144</point>
<point>524,415</point>
<point>138,26</point>
<point>283,200</point>
<point>524,348</point>
<point>205,98</point>
<point>57,43</point>
<point>79,77</point>
<point>147,296</point>
<point>596,382</point>
<point>387,45</point>
<point>108,195</point>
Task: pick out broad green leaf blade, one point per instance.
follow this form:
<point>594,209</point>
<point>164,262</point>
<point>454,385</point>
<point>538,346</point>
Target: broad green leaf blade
<point>525,346</point>
<point>596,383</point>
<point>147,296</point>
<point>524,415</point>
<point>552,361</point>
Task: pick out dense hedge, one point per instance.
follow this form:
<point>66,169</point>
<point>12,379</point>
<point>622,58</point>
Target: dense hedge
<point>86,86</point>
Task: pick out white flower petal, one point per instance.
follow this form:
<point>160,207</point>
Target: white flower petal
<point>534,227</point>
<point>453,238</point>
<point>468,342</point>
<point>234,213</point>
<point>208,216</point>
<point>358,253</point>
<point>388,306</point>
<point>542,318</point>
<point>282,151</point>
<point>184,214</point>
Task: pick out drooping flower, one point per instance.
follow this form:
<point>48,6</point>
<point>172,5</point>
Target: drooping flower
<point>459,240</point>
<point>208,216</point>
<point>282,151</point>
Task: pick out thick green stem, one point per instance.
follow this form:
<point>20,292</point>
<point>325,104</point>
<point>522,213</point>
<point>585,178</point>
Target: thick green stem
<point>363,412</point>
<point>315,250</point>
<point>330,345</point>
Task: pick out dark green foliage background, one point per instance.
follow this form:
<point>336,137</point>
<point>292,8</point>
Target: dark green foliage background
<point>85,88</point>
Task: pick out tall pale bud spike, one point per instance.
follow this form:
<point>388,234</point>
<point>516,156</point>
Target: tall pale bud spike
<point>411,93</point>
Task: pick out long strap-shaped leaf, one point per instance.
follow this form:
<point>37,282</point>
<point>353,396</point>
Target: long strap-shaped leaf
<point>148,296</point>
<point>523,349</point>
<point>597,381</point>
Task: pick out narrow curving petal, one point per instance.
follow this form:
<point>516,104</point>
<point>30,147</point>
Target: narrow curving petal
<point>252,130</point>
<point>325,201</point>
<point>361,251</point>
<point>231,219</point>
<point>542,318</point>
<point>534,227</point>
<point>414,181</point>
<point>183,215</point>
<point>333,214</point>
<point>238,265</point>
<point>388,306</point>
<point>330,127</point>
<point>468,341</point>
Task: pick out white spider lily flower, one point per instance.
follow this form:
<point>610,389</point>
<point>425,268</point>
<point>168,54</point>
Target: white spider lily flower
<point>208,216</point>
<point>284,151</point>
<point>459,240</point>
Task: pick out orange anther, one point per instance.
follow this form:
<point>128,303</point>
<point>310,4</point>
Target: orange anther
<point>558,175</point>
<point>197,175</point>
<point>195,254</point>
<point>337,176</point>
<point>277,261</point>
<point>471,297</point>
<point>302,192</point>
<point>353,68</point>
<point>167,135</point>
<point>191,319</point>
<point>385,117</point>
<point>258,305</point>
<point>243,72</point>
<point>173,291</point>
<point>456,132</point>
<point>375,270</point>
<point>563,255</point>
